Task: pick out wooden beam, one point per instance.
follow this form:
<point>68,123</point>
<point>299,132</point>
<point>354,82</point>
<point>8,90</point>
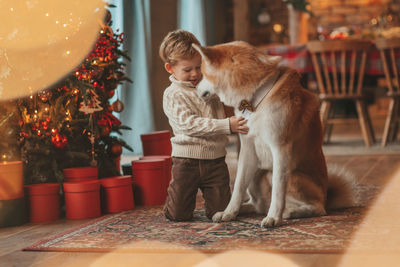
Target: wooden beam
<point>241,20</point>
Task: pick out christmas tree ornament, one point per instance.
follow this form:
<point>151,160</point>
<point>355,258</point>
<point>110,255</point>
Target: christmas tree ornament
<point>59,141</point>
<point>92,139</point>
<point>118,106</point>
<point>93,162</point>
<point>44,95</point>
<point>110,93</point>
<point>116,150</point>
<point>109,108</point>
<point>105,131</point>
<point>108,119</point>
<point>93,105</point>
<point>75,91</point>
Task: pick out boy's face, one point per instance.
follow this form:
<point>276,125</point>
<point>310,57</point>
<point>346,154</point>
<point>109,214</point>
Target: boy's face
<point>186,70</point>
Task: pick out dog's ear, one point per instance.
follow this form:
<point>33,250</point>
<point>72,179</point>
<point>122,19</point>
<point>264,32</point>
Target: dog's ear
<point>205,53</point>
<point>274,59</point>
<point>269,60</point>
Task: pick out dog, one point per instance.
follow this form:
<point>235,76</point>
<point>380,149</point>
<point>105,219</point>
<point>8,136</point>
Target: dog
<point>282,170</point>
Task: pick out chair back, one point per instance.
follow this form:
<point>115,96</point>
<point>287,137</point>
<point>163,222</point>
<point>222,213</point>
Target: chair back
<point>330,59</point>
<point>388,48</point>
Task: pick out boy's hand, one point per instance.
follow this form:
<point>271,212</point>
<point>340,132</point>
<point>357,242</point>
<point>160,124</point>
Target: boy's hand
<point>238,125</point>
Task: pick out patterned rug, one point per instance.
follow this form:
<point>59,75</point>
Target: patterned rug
<point>146,229</point>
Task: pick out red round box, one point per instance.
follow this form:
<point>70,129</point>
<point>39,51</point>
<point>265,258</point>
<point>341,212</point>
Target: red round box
<point>117,194</point>
<point>168,165</point>
<point>82,199</point>
<point>149,182</point>
<point>44,202</point>
<point>80,174</point>
<point>156,143</point>
<point>11,180</point>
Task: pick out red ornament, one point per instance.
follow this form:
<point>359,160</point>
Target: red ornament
<point>115,150</point>
<point>65,88</point>
<point>108,119</point>
<point>118,106</point>
<point>110,93</point>
<point>45,95</point>
<point>59,141</point>
<point>105,131</point>
<point>45,125</point>
<point>109,108</point>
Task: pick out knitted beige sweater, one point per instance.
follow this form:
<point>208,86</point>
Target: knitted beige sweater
<point>199,127</point>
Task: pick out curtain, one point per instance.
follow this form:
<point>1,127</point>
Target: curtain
<point>192,18</point>
<point>133,18</point>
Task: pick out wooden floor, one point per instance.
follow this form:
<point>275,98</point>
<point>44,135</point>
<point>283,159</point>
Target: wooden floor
<point>377,169</point>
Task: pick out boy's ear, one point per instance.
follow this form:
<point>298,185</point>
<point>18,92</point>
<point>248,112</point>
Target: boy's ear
<point>168,68</point>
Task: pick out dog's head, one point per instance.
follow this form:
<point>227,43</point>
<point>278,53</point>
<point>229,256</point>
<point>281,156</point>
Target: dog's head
<point>233,71</point>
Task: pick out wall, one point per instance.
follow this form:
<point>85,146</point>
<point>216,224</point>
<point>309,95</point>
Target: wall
<point>355,13</point>
<point>163,20</point>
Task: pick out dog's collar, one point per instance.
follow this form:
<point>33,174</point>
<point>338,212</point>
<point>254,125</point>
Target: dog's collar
<point>250,106</point>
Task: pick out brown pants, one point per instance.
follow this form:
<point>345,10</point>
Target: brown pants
<point>188,175</point>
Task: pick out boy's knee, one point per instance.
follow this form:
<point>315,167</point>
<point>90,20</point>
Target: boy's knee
<point>177,216</point>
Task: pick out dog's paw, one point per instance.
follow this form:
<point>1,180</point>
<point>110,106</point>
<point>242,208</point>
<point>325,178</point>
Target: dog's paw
<point>223,217</point>
<point>217,217</point>
<point>269,222</point>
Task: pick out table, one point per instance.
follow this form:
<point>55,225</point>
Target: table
<point>298,57</point>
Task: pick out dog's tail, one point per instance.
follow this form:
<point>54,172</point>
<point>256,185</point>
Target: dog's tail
<point>342,188</point>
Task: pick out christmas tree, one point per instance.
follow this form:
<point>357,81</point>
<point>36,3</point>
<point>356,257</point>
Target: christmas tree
<point>9,118</point>
<point>72,123</point>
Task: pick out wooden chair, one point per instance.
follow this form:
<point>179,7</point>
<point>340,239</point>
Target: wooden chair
<point>387,49</point>
<point>335,63</point>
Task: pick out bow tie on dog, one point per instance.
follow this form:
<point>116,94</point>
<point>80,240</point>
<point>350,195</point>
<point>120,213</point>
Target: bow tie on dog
<point>248,107</point>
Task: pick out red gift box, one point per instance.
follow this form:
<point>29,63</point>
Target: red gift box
<point>117,194</point>
<point>149,181</point>
<point>82,199</point>
<point>11,180</point>
<point>80,174</point>
<point>44,202</point>
<point>156,143</point>
<point>168,165</point>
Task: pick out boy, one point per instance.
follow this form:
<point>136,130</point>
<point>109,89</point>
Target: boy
<point>200,128</point>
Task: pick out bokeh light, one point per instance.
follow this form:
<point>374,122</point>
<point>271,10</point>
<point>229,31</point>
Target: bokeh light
<point>42,41</point>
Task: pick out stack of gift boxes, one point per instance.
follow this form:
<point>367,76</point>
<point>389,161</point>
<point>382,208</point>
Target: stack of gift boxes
<point>144,183</point>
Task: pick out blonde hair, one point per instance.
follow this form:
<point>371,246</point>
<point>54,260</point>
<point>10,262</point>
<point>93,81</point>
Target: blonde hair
<point>177,45</point>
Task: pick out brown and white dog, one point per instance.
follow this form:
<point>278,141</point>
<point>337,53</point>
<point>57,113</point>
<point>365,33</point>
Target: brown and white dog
<point>285,137</point>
